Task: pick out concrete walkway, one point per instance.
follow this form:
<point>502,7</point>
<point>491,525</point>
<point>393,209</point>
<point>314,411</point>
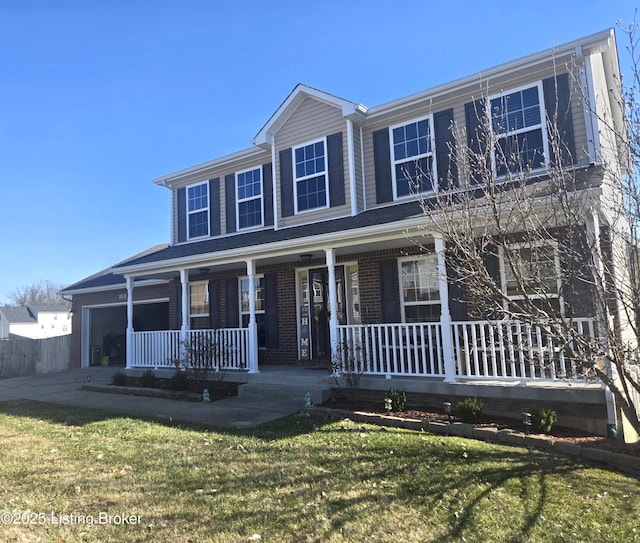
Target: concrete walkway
<point>66,388</point>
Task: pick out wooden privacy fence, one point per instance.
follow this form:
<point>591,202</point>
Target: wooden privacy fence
<point>21,357</point>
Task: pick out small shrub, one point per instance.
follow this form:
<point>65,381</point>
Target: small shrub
<point>179,381</point>
<point>398,400</point>
<point>148,379</point>
<point>469,409</point>
<point>542,421</point>
<point>119,379</point>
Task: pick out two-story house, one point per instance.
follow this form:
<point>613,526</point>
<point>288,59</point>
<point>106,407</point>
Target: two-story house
<point>303,244</point>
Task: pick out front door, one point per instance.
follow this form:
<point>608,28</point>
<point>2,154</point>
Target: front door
<point>316,310</point>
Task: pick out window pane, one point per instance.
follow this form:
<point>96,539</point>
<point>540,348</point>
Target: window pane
<point>197,197</point>
<point>420,280</point>
<point>250,213</point>
<point>413,177</point>
<point>198,224</point>
<point>534,269</point>
<point>310,159</point>
<point>198,299</point>
<point>311,193</point>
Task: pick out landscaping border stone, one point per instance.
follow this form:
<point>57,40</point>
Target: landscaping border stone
<point>624,462</point>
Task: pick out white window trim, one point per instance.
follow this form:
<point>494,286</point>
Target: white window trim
<point>206,294</point>
<point>189,213</point>
<point>432,154</point>
<point>404,304</point>
<point>541,243</point>
<point>242,200</point>
<point>297,179</point>
<point>542,125</point>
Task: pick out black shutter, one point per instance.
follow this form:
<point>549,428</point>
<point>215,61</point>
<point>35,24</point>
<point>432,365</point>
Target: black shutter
<point>214,207</point>
<point>286,182</point>
<point>475,113</point>
<point>389,291</point>
<point>271,310</point>
<point>445,149</point>
<point>214,304</point>
<point>267,202</point>
<point>557,100</point>
<point>230,201</point>
<point>182,214</point>
<point>382,165</point>
<point>457,303</point>
<point>233,312</point>
<point>336,169</point>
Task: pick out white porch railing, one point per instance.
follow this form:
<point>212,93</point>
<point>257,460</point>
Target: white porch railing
<point>391,349</point>
<point>515,350</point>
<point>165,348</point>
<point>481,349</point>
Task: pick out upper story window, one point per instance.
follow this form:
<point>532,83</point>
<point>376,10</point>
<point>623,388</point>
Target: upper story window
<point>420,289</point>
<point>249,200</point>
<point>310,166</point>
<point>517,120</point>
<point>199,299</point>
<point>198,210</point>
<point>412,157</point>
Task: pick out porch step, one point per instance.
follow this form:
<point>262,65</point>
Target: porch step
<point>272,391</point>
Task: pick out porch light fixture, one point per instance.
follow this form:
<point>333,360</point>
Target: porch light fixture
<point>447,409</point>
<point>306,257</point>
<point>526,420</point>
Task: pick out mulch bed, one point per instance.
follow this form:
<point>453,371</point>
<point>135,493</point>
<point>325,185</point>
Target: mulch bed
<point>558,433</point>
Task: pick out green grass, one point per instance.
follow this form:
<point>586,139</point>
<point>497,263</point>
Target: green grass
<point>297,480</point>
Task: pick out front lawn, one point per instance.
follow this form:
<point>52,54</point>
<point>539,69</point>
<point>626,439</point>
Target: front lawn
<point>68,475</point>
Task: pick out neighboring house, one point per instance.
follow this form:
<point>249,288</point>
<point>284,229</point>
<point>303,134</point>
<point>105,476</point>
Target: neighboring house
<point>302,243</point>
<point>34,322</point>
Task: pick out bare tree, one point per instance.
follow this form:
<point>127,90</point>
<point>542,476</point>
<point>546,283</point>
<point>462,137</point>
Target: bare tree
<point>567,241</point>
<point>39,294</point>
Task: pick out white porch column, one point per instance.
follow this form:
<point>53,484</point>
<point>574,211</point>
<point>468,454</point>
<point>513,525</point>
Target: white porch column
<point>333,301</point>
<point>253,325</point>
<point>184,282</point>
<point>129,352</point>
<point>445,314</point>
<point>602,313</point>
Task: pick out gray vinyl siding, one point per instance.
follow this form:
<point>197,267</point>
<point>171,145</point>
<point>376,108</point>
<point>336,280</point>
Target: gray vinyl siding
<point>457,99</point>
<point>311,121</point>
<point>211,173</point>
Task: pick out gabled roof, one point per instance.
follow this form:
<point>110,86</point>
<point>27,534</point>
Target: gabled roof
<point>301,92</point>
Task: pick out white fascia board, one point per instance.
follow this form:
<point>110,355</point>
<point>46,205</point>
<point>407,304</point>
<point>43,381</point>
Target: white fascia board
<point>173,178</point>
<point>349,110</point>
<point>600,39</point>
<point>106,288</point>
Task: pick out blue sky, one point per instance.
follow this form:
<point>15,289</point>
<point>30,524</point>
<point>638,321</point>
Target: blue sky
<point>99,97</point>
